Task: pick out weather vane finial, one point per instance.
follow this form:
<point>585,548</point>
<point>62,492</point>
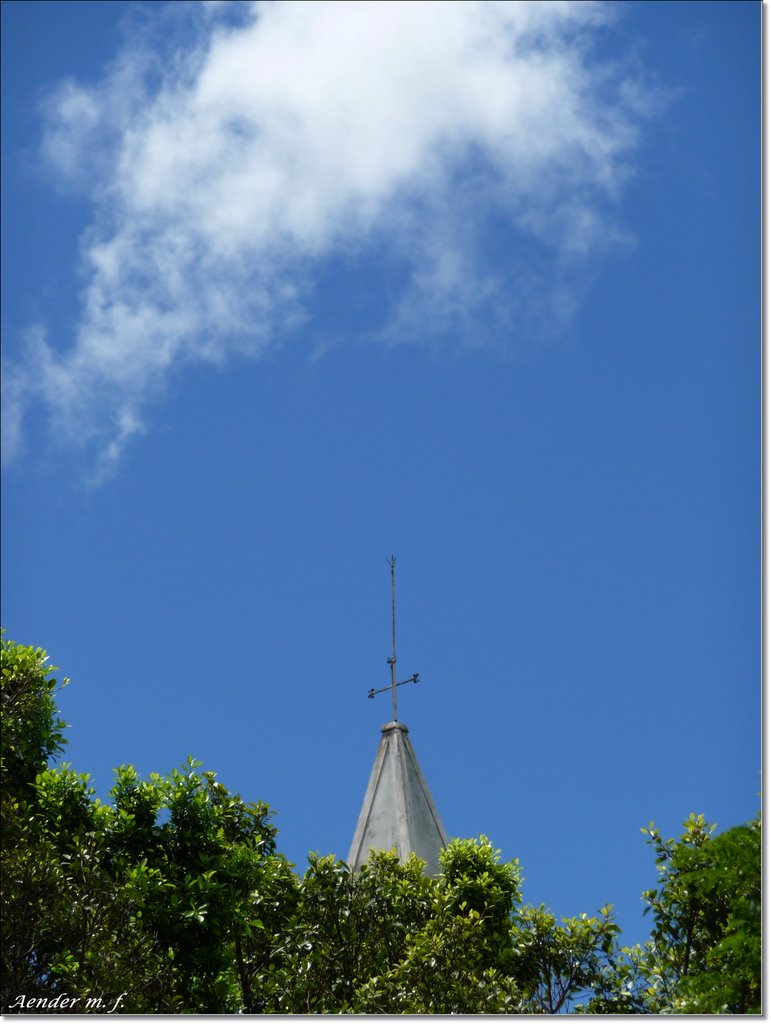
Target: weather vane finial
<point>392,659</point>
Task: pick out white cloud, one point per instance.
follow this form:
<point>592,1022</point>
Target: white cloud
<point>226,171</point>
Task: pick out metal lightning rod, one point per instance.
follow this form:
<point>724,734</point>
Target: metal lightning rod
<point>392,660</point>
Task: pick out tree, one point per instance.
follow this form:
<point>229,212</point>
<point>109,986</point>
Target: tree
<point>31,734</point>
<point>150,897</point>
<point>560,963</point>
<point>704,953</point>
<point>32,731</point>
<point>346,928</point>
<point>457,961</point>
<point>157,910</point>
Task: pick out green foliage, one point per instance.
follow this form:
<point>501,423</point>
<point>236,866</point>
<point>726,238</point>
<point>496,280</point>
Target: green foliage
<point>171,898</point>
<point>153,894</point>
<point>125,901</point>
<point>32,731</point>
<point>345,928</point>
<point>31,734</point>
<point>704,953</point>
<point>455,962</point>
<point>558,963</point>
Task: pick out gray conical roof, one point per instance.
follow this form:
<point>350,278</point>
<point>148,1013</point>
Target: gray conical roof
<point>398,811</point>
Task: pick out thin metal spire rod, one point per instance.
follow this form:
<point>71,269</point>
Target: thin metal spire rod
<point>392,660</point>
<point>393,633</point>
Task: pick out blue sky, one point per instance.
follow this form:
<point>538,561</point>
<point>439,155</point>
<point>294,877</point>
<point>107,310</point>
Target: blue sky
<point>289,289</point>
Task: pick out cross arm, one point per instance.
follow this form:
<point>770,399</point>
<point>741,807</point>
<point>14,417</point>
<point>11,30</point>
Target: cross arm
<point>412,679</point>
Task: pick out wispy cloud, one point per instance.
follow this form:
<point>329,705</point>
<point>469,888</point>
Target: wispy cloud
<point>226,169</point>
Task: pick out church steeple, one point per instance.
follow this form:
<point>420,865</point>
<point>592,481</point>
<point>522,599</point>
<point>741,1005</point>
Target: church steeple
<point>398,811</point>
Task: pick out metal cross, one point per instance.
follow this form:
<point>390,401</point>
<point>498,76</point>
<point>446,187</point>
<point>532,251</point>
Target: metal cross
<point>392,660</point>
